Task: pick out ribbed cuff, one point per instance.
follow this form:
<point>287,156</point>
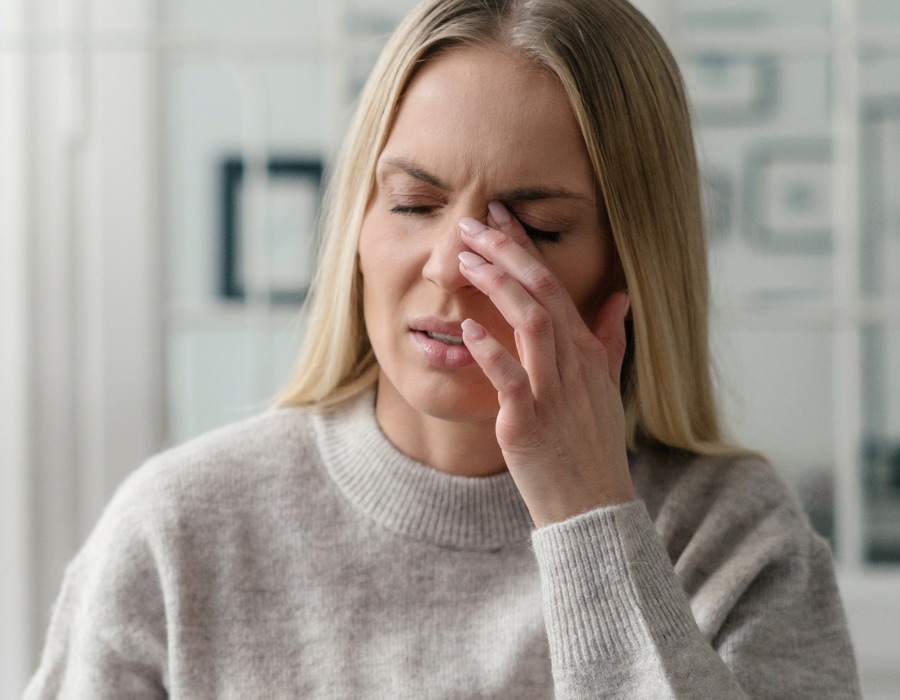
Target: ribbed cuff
<point>608,586</point>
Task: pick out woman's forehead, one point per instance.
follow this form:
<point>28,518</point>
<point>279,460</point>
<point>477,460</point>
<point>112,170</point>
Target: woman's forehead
<point>478,112</point>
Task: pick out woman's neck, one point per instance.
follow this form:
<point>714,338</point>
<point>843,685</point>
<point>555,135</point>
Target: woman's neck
<point>458,447</point>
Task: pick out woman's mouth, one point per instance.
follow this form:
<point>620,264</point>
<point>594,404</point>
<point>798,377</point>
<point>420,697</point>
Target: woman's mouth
<point>440,343</point>
<point>445,338</point>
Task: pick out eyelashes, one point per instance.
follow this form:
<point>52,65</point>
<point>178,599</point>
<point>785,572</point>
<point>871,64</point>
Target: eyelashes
<point>413,211</point>
<point>538,234</point>
<point>535,234</point>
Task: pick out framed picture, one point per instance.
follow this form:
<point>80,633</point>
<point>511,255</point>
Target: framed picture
<point>286,252</point>
<point>787,204</point>
<point>730,88</point>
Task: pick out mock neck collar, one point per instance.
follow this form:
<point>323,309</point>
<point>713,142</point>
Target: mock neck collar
<point>410,498</point>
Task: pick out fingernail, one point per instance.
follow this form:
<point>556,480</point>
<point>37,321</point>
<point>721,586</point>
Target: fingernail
<point>472,226</point>
<point>626,307</point>
<point>500,213</point>
<point>471,260</point>
<point>473,330</point>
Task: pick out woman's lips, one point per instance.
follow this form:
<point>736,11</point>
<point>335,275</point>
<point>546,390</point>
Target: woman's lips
<point>441,343</point>
<point>449,339</point>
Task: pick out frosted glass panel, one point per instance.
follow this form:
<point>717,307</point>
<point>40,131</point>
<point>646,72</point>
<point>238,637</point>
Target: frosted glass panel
<point>393,8</point>
<point>377,16</point>
<point>765,152</point>
<point>881,451</point>
<point>879,13</point>
<point>246,18</point>
<point>881,177</point>
<point>754,14</point>
<point>777,393</point>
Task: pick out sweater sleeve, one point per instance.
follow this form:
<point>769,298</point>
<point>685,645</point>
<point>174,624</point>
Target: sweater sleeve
<point>620,625</point>
<point>107,636</point>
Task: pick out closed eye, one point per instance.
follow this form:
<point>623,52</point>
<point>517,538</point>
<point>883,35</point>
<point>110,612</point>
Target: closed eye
<point>420,210</point>
<point>539,235</point>
<point>536,234</point>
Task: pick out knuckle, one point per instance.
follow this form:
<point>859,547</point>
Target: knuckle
<point>516,435</point>
<point>500,241</point>
<point>536,320</point>
<point>495,355</point>
<point>578,373</point>
<point>611,346</point>
<point>495,278</point>
<point>598,353</point>
<point>544,282</point>
<point>516,385</point>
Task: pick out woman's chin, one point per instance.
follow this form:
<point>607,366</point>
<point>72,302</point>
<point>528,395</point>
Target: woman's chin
<point>441,399</point>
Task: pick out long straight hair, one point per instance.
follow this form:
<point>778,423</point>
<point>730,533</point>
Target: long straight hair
<point>628,97</point>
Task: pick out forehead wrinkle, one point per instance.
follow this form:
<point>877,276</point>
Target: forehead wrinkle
<point>515,194</point>
<point>474,175</point>
<point>415,171</point>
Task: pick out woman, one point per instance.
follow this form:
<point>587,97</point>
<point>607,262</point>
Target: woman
<point>498,471</point>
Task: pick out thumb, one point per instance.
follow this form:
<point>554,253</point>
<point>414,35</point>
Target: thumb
<point>609,329</point>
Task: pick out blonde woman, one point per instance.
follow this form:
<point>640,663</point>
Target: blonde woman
<point>499,470</point>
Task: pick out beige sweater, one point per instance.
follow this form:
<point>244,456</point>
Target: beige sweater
<point>299,556</point>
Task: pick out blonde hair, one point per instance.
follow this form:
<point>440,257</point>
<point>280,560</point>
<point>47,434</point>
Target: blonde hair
<point>628,97</point>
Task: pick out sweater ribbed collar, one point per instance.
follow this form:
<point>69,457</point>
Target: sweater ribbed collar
<point>410,498</point>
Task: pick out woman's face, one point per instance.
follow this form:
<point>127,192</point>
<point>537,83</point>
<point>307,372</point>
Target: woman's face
<point>475,125</point>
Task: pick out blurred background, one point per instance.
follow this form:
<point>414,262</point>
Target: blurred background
<point>160,172</point>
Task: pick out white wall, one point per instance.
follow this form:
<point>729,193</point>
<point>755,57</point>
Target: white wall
<point>15,458</point>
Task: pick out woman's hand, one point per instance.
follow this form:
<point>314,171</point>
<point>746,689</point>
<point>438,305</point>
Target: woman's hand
<point>561,424</point>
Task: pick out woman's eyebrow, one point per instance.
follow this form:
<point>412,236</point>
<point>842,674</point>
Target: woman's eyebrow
<point>518,194</point>
<point>415,171</point>
<point>531,194</point>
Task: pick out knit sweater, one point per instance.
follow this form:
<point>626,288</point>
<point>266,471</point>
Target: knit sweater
<point>301,555</point>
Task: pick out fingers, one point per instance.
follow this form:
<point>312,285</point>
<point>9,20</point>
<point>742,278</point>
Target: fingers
<point>500,218</point>
<point>609,329</point>
<point>507,376</point>
<point>502,249</point>
<point>561,423</point>
<point>535,339</point>
<point>528,295</point>
<point>506,266</point>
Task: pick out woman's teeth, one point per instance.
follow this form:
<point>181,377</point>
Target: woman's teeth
<point>448,339</point>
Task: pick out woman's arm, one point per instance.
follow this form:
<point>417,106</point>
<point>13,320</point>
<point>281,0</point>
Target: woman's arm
<point>620,624</point>
<point>561,423</point>
<point>618,619</point>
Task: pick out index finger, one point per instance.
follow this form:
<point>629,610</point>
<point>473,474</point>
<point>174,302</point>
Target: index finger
<point>514,262</point>
<point>505,222</point>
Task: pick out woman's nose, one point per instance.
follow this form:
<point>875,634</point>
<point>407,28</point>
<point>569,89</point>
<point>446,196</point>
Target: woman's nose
<point>442,265</point>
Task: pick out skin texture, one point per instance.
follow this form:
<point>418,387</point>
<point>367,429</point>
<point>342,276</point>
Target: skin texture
<point>485,150</point>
